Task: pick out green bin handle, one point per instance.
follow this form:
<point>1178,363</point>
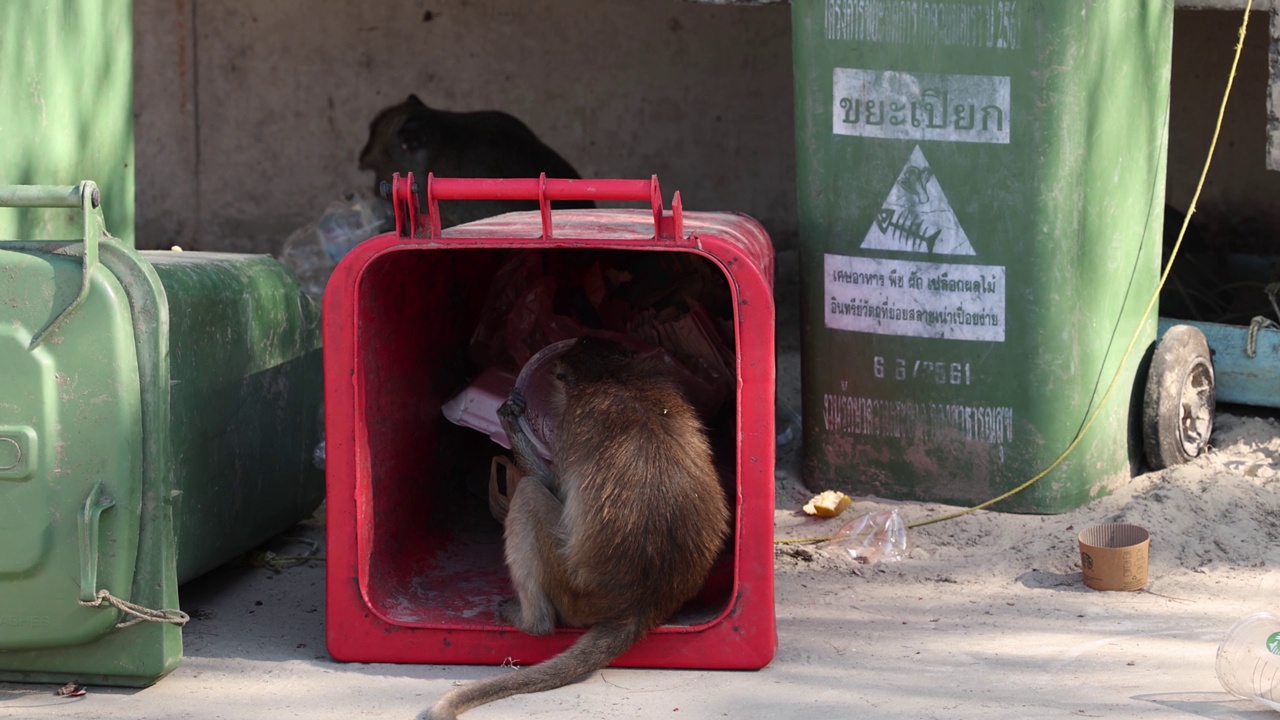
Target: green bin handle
<point>85,196</point>
<point>93,507</point>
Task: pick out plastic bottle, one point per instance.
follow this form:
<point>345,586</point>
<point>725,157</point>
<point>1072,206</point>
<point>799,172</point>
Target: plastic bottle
<point>315,249</point>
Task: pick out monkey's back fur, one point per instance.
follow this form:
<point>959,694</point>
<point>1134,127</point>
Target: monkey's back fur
<point>642,521</point>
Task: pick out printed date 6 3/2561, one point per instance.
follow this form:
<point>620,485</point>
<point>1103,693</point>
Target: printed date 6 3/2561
<point>938,372</point>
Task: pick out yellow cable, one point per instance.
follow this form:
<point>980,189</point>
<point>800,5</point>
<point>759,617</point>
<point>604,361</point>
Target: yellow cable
<point>1222,109</point>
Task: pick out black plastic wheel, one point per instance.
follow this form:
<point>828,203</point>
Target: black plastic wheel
<point>1177,409</point>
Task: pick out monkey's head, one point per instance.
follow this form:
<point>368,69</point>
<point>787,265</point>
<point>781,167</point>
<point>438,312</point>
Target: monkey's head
<point>400,139</point>
<point>591,359</point>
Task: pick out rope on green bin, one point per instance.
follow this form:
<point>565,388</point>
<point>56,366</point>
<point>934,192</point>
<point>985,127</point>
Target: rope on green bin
<point>139,613</point>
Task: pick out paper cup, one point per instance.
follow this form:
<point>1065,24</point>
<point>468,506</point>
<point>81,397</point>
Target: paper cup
<point>1114,556</point>
<point>1249,659</point>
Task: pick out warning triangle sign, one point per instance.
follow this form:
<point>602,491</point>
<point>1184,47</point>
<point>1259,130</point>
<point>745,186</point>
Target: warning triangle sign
<point>916,216</point>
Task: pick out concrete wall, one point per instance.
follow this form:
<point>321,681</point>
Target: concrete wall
<point>250,114</point>
<point>1240,204</point>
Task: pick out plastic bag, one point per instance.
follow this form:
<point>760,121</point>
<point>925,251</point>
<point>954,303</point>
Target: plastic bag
<point>873,537</point>
<point>537,299</point>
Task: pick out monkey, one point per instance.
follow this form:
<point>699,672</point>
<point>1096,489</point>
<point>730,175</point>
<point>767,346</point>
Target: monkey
<point>411,137</point>
<point>619,532</point>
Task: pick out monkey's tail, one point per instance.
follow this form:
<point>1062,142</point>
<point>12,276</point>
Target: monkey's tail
<point>597,647</point>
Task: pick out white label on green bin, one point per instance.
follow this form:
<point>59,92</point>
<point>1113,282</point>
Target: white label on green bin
<point>914,299</point>
<point>916,217</point>
<point>920,106</point>
<point>987,24</point>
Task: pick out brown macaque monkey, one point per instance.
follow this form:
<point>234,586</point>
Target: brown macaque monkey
<point>619,532</point>
<point>413,138</point>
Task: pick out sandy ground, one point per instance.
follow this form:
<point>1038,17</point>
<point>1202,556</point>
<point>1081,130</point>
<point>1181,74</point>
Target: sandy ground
<point>986,617</point>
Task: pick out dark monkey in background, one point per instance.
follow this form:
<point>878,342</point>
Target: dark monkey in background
<point>619,532</point>
<point>411,137</point>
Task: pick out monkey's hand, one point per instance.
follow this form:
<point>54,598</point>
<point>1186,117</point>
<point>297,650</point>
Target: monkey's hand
<point>509,414</point>
<point>527,459</point>
<point>514,408</point>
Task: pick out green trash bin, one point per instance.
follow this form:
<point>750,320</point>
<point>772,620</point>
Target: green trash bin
<point>158,416</point>
<point>981,188</point>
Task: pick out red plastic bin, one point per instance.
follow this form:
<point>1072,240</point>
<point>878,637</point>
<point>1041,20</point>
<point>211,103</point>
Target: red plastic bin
<point>415,569</point>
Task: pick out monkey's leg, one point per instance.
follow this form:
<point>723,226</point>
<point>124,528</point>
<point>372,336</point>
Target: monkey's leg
<point>527,459</point>
<point>533,557</point>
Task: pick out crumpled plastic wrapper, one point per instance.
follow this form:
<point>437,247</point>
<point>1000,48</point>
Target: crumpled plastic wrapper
<point>880,536</point>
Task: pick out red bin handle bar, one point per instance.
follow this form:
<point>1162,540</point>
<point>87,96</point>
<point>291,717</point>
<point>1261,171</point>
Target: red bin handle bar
<point>404,198</point>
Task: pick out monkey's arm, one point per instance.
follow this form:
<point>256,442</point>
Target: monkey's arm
<point>527,459</point>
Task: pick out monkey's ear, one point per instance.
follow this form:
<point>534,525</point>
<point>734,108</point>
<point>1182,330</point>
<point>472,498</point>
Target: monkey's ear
<point>413,101</point>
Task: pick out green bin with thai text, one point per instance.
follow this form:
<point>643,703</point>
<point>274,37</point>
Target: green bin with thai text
<point>981,190</point>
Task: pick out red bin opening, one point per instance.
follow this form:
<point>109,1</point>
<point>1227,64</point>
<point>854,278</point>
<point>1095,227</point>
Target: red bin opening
<point>415,558</point>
